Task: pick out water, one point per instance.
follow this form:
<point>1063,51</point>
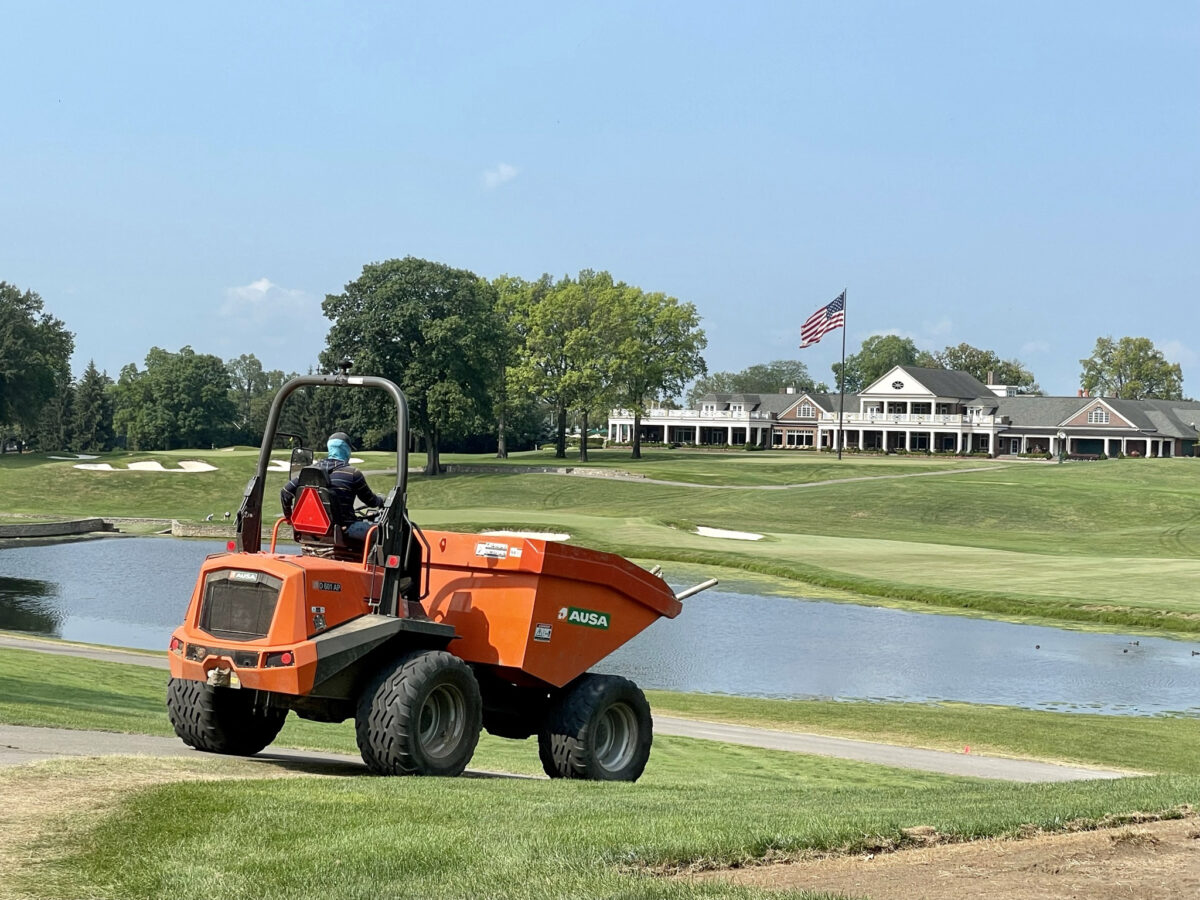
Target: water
<point>132,592</point>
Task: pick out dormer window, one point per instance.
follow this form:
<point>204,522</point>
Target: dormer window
<point>708,407</point>
<point>805,412</point>
<point>736,408</point>
<point>1098,416</point>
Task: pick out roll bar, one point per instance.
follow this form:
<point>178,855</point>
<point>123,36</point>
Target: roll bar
<point>249,518</point>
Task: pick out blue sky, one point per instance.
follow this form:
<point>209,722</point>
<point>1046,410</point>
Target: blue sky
<point>1021,176</point>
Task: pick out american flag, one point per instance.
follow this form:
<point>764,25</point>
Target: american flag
<point>823,320</point>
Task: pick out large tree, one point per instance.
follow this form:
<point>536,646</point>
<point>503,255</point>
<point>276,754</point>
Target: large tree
<point>35,354</point>
<point>431,329</point>
<point>761,378</point>
<point>514,407</point>
<point>179,400</point>
<point>1131,369</point>
<point>659,352</point>
<point>878,354</point>
<point>981,364</point>
<point>569,344</point>
<point>253,389</point>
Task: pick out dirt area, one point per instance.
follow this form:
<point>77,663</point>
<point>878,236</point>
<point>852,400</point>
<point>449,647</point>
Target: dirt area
<point>1141,861</point>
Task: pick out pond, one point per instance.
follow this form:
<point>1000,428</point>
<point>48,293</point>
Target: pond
<point>133,591</point>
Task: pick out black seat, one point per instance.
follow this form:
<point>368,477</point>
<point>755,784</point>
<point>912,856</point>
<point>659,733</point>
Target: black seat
<point>334,542</point>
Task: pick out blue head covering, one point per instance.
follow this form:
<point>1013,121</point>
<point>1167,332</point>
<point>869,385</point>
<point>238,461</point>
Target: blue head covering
<point>338,447</point>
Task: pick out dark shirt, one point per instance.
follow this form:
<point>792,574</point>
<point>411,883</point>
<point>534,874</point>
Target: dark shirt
<point>346,483</point>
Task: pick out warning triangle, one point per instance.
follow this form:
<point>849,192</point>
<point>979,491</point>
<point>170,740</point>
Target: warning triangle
<point>309,513</point>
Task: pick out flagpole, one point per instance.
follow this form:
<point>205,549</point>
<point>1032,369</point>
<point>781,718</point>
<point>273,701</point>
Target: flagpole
<point>842,380</point>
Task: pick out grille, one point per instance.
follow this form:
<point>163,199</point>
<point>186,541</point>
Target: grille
<point>239,606</point>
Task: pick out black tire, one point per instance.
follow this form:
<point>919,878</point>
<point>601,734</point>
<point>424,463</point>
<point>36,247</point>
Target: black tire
<point>221,720</point>
<point>421,715</point>
<point>599,730</point>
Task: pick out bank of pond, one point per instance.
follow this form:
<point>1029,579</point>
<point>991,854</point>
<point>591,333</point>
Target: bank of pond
<point>132,592</point>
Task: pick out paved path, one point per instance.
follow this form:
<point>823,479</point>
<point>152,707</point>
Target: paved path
<point>20,744</point>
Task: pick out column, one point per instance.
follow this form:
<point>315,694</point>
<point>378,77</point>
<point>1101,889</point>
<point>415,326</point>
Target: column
<point>729,435</point>
<point>697,435</point>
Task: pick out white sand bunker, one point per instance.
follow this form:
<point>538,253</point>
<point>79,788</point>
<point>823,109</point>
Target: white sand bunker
<point>540,535</point>
<point>187,465</point>
<point>76,456</point>
<point>732,535</point>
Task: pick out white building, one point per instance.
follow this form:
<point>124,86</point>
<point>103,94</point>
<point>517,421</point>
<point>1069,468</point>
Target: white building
<point>917,409</point>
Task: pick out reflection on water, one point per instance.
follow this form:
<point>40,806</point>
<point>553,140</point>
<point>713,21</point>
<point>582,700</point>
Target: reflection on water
<point>132,592</point>
<point>27,604</point>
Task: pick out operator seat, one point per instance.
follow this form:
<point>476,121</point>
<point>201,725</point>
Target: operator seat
<point>334,542</point>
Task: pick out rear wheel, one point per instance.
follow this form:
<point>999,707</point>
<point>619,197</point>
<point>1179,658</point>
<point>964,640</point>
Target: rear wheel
<point>221,720</point>
<point>420,716</point>
<point>599,730</point>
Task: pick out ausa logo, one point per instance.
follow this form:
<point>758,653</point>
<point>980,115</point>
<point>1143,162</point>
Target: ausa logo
<point>587,617</point>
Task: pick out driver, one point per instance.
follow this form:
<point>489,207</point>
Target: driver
<point>345,481</point>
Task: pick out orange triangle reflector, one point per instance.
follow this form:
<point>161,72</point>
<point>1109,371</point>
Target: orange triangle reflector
<point>309,513</point>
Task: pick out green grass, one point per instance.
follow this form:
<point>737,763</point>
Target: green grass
<point>699,803</point>
<point>1113,544</point>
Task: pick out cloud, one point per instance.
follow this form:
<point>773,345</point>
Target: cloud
<point>263,301</point>
<point>942,327</point>
<point>1030,348</point>
<point>498,175</point>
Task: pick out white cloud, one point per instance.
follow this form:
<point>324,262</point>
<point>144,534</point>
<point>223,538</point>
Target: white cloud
<point>263,301</point>
<point>498,175</point>
<point>1030,348</point>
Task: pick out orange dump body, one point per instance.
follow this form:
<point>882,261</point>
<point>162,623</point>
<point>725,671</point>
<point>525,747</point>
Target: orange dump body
<point>536,610</point>
<point>539,608</point>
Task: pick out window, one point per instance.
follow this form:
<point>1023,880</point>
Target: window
<point>736,408</point>
<point>1098,416</point>
<point>805,412</point>
<point>920,409</point>
<point>708,408</point>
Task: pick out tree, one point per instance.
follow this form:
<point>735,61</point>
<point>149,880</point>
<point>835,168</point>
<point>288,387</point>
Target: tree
<point>515,300</point>
<point>567,359</point>
<point>981,364</point>
<point>252,391</point>
<point>35,354</point>
<point>92,422</point>
<point>878,354</point>
<point>658,353</point>
<point>1131,369</point>
<point>431,329</point>
<point>179,400</point>
<point>761,378</point>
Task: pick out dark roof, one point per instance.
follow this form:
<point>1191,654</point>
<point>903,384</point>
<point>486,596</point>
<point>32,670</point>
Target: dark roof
<point>945,383</point>
<point>775,403</point>
<point>1168,418</point>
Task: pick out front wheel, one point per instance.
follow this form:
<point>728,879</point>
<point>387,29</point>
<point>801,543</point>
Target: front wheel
<point>420,716</point>
<point>221,719</point>
<point>599,730</point>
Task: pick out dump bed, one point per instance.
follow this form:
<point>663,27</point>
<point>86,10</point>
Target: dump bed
<point>539,608</point>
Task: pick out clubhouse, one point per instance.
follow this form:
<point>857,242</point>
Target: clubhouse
<point>915,409</point>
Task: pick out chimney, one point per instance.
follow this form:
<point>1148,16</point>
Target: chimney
<point>991,377</point>
<point>791,389</point>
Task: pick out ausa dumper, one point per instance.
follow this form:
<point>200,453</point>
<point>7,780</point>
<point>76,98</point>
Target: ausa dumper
<point>423,638</point>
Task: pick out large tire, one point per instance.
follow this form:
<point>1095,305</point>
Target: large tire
<point>420,716</point>
<point>599,730</point>
<point>221,720</point>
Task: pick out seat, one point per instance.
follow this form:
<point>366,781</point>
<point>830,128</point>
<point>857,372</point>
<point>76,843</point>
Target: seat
<point>316,517</point>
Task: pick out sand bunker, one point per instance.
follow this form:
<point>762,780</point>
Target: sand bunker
<point>187,465</point>
<point>76,456</point>
<point>540,535</point>
<point>732,535</point>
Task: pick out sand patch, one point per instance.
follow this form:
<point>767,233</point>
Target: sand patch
<point>152,465</point>
<point>730,535</point>
<point>538,535</point>
<point>76,456</point>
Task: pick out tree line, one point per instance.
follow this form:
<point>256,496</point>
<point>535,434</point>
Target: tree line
<point>481,362</point>
<point>1130,368</point>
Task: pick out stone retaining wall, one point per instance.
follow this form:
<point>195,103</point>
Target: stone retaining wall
<point>54,529</point>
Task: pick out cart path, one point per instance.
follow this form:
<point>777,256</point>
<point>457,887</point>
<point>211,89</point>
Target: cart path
<point>20,744</point>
